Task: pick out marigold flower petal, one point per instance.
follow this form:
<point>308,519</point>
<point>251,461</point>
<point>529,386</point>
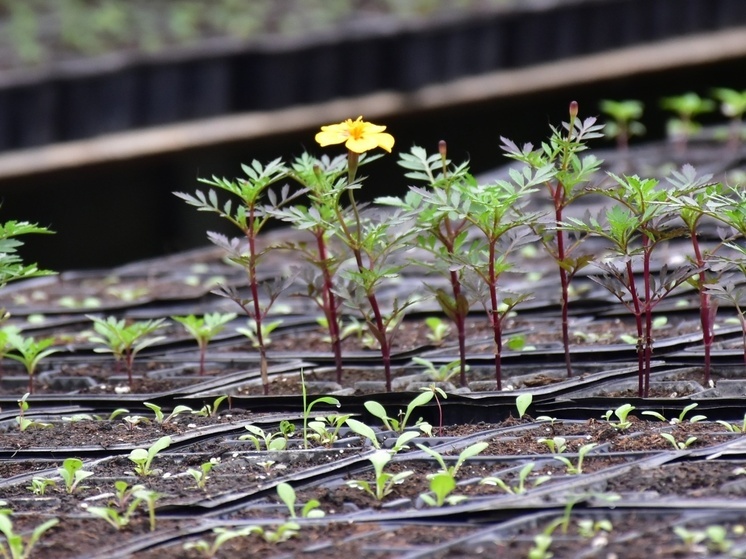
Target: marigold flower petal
<point>357,135</point>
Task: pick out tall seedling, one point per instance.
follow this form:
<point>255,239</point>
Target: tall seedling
<point>692,199</point>
<point>635,226</point>
<point>318,177</point>
<point>572,174</point>
<point>250,217</point>
<point>441,230</point>
<point>372,240</point>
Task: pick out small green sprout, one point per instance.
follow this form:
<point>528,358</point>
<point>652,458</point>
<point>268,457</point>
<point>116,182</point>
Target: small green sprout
<point>149,497</point>
<point>29,352</point>
<point>72,473</point>
<point>222,536</point>
<point>522,403</point>
<point>733,427</point>
<point>325,430</point>
<point>442,485</point>
<point>588,528</point>
<point>161,418</point>
<point>272,441</point>
<point>251,333</point>
<point>123,493</point>
<point>686,107</point>
<point>681,417</point>
<point>201,476</point>
<point>143,458</point>
<point>203,329</point>
<point>132,421</point>
<point>678,445</point>
<point>283,532</point>
<point>286,493</point>
<point>124,341</point>
<point>517,342</point>
<point>384,482</point>
<point>114,517</point>
<point>307,407</point>
<point>438,329</point>
<point>714,537</point>
<point>540,550</point>
<point>24,422</point>
<point>17,545</point>
<point>367,432</point>
<point>523,476</point>
<point>211,410</point>
<point>621,414</point>
<point>444,373</point>
<point>555,444</point>
<point>576,468</point>
<point>469,452</point>
<point>398,425</point>
<point>626,120</point>
<point>39,485</point>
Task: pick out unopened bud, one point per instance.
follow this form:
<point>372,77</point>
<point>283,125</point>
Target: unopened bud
<point>442,148</point>
<point>573,109</point>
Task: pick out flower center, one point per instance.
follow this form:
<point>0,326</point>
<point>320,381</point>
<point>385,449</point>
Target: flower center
<point>356,130</point>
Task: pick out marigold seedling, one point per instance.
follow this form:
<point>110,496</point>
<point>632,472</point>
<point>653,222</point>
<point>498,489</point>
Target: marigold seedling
<point>383,482</point>
<point>523,478</point>
<point>203,329</point>
<point>442,485</point>
<point>270,441</point>
<point>19,545</point>
<point>678,445</point>
<point>39,485</point>
<point>124,340</point>
<point>72,473</point>
<point>286,493</point>
<point>143,458</point>
<point>621,413</point>
<point>398,425</point>
<point>522,403</point>
<point>30,352</point>
<point>576,468</point>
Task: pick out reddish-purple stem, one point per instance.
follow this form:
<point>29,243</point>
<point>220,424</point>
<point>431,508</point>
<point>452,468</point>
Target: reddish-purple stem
<point>706,311</point>
<point>202,352</point>
<point>255,296</point>
<point>559,201</point>
<point>330,304</point>
<point>460,320</point>
<point>495,318</point>
<point>637,312</point>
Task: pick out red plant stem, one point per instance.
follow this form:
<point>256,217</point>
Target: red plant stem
<point>255,300</point>
<point>637,312</point>
<point>373,302</point>
<point>706,311</point>
<point>128,359</point>
<point>559,200</point>
<point>330,304</point>
<point>202,352</point>
<point>440,414</point>
<point>495,318</point>
<point>648,309</point>
<point>743,329</point>
<point>460,327</point>
<point>378,318</point>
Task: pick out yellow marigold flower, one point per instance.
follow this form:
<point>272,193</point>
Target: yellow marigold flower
<point>358,136</point>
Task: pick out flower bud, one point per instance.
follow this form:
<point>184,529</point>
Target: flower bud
<point>442,148</point>
<point>573,109</point>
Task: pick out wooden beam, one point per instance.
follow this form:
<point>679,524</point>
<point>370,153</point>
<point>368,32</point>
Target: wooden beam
<point>640,59</point>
